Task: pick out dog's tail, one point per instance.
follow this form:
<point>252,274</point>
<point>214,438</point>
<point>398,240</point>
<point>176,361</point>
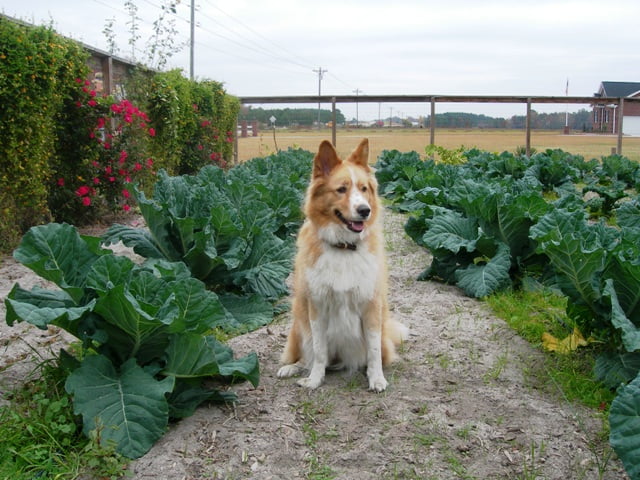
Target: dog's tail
<point>393,334</point>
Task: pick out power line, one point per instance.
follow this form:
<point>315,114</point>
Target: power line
<point>302,62</point>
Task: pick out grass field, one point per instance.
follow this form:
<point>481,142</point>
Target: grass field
<point>405,140</point>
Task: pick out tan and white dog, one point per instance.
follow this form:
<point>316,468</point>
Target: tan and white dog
<point>340,310</point>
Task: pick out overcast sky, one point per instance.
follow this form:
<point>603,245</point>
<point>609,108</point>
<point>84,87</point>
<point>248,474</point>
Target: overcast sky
<point>455,47</point>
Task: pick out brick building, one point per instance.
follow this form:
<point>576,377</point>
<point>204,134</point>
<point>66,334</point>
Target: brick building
<point>605,117</point>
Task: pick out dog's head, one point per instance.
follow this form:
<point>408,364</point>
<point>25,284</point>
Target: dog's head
<point>342,196</point>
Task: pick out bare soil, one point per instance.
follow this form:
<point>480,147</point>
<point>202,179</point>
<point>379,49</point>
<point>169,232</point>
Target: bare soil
<point>465,401</point>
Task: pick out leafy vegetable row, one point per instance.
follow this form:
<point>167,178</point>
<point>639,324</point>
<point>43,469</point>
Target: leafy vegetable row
<point>507,221</point>
<point>218,250</point>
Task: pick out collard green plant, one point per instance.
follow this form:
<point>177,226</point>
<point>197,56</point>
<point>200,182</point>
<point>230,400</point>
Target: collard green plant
<point>232,229</point>
<point>145,332</point>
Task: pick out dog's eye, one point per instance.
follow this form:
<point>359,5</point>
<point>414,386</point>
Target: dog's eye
<point>364,188</point>
<point>342,189</point>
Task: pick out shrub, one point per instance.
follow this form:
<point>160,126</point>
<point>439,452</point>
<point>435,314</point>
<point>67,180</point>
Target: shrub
<point>194,121</point>
<point>38,69</point>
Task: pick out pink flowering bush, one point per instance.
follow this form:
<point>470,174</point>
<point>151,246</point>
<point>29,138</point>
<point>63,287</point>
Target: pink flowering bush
<point>112,153</point>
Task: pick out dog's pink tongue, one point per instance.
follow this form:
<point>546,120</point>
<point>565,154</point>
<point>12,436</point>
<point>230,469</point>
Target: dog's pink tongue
<point>356,226</point>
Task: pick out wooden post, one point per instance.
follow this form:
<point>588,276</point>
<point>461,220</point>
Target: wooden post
<point>620,116</point>
<point>528,129</point>
<point>235,143</point>
<point>107,75</point>
<point>432,122</point>
<point>333,121</point>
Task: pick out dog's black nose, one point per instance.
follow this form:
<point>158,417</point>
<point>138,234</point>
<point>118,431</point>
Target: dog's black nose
<point>363,211</point>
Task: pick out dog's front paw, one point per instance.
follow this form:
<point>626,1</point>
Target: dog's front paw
<point>378,384</point>
<point>310,382</point>
<point>287,371</point>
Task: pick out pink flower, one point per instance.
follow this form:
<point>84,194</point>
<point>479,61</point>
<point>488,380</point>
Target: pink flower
<point>101,122</point>
<point>152,132</point>
<point>61,182</point>
<point>200,147</point>
<point>108,170</point>
<point>92,93</point>
<point>137,167</point>
<point>86,201</point>
<point>96,180</point>
<point>112,179</point>
<point>92,103</point>
<point>82,191</point>
<point>126,207</point>
<point>149,162</point>
<point>78,80</point>
<point>123,157</point>
<point>126,194</point>
<point>78,104</point>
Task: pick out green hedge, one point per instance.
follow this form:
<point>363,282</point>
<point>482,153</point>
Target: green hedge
<point>37,73</point>
<point>195,121</point>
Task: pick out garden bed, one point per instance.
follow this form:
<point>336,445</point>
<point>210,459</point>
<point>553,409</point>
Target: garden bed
<point>466,400</point>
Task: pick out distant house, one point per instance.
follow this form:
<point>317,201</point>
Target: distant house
<point>605,117</point>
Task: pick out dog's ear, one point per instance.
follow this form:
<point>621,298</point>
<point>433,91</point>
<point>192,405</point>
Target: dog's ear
<point>360,156</point>
<point>326,160</point>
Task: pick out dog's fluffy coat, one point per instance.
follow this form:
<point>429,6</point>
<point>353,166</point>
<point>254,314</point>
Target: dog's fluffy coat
<point>340,311</point>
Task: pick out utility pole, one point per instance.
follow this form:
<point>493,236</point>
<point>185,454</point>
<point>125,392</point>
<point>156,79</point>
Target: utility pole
<point>320,72</point>
<point>192,41</point>
<point>357,91</point>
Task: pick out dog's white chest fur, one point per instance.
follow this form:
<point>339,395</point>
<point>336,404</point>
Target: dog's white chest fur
<point>341,284</point>
<point>343,273</point>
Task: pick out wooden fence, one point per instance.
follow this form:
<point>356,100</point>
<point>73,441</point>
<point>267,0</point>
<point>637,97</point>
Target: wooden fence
<point>434,99</point>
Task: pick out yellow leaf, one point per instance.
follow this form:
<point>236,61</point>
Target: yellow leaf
<point>566,345</point>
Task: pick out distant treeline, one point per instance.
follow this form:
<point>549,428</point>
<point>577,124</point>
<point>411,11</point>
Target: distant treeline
<point>292,117</point>
<point>289,117</point>
<point>580,120</point>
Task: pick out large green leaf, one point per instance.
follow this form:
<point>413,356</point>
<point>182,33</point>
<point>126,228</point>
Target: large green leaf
<point>624,421</point>
<point>140,240</point>
<point>451,231</point>
<point>245,313</point>
<point>57,253</point>
<point>109,271</point>
<point>623,269</point>
<point>42,308</point>
<point>265,270</point>
<point>576,252</point>
<point>198,309</point>
<point>482,279</point>
<point>616,368</point>
<point>128,407</point>
<point>630,333</point>
<point>187,396</point>
<point>197,356</point>
<point>133,330</point>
